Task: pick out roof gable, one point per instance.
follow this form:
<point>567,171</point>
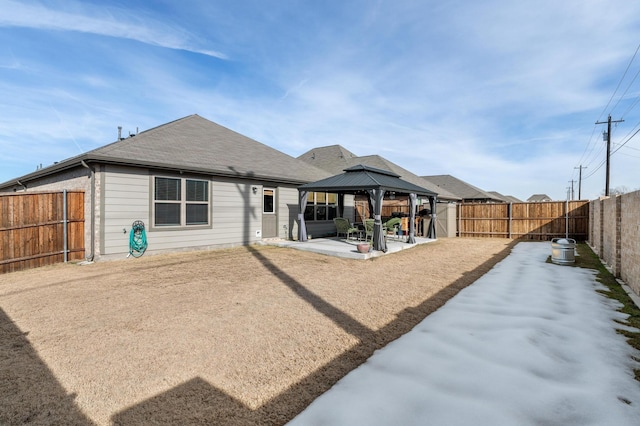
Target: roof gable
<point>335,159</point>
<point>195,144</point>
<point>461,188</point>
<point>362,178</point>
<point>539,197</point>
<point>505,198</point>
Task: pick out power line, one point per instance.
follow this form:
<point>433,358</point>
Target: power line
<point>624,143</point>
<point>603,162</point>
<point>629,155</point>
<point>620,82</point>
<point>588,145</point>
<point>608,134</point>
<point>608,122</point>
<point>633,105</point>
<point>628,147</point>
<point>626,90</point>
<point>579,182</point>
<point>572,181</point>
<point>596,155</point>
<point>594,171</point>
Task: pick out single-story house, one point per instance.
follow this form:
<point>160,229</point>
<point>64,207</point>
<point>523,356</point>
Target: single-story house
<point>462,189</point>
<point>539,198</point>
<point>374,184</point>
<point>505,198</point>
<point>335,159</point>
<point>194,184</point>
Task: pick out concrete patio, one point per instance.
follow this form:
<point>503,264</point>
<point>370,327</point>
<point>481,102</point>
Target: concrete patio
<point>347,248</point>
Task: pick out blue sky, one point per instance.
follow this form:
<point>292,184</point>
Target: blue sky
<point>501,94</point>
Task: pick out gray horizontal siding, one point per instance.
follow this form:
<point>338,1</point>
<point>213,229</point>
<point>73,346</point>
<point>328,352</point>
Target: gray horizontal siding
<point>126,199</point>
<point>287,213</point>
<point>235,214</point>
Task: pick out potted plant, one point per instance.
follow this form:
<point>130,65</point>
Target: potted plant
<point>363,247</point>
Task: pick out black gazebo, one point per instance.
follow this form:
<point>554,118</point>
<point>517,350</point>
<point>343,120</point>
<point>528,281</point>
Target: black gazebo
<point>375,183</point>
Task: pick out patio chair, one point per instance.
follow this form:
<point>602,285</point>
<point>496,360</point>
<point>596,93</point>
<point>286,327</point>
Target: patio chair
<point>344,227</point>
<point>368,230</point>
<point>393,226</point>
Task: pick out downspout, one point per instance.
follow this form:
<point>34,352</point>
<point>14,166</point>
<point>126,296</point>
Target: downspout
<point>90,256</point>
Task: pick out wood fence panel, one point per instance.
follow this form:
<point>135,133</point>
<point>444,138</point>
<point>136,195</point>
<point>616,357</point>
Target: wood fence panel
<point>485,220</point>
<point>533,221</point>
<point>32,229</point>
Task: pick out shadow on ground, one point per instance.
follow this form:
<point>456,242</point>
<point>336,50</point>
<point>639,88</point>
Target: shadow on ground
<point>31,394</point>
<point>198,402</point>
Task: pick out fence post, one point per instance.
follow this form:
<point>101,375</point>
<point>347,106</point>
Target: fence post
<point>510,213</point>
<point>601,237</point>
<point>618,262</point>
<point>65,222</point>
<point>566,218</point>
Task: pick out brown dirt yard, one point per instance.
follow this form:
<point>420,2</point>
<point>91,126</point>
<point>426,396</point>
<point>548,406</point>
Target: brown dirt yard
<point>249,335</point>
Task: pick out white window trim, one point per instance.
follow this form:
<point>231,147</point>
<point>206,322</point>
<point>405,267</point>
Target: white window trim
<point>274,200</point>
<point>183,205</point>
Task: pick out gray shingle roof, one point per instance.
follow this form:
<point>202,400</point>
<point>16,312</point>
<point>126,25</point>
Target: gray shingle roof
<point>199,144</point>
<point>195,144</point>
<point>538,198</point>
<point>335,159</point>
<point>461,188</point>
<point>361,177</point>
<point>505,198</point>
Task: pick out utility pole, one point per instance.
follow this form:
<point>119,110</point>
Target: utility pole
<point>573,193</point>
<point>580,181</point>
<point>608,122</point>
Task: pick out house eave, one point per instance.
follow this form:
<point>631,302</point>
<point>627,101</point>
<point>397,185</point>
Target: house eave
<point>86,159</point>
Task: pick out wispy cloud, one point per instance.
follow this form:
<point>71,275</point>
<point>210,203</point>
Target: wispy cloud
<point>105,21</point>
<point>501,94</point>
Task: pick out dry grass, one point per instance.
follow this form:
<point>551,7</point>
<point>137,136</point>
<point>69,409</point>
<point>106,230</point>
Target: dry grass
<point>242,336</point>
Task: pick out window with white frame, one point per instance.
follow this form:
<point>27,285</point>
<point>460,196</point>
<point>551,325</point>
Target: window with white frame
<point>321,206</point>
<point>268,200</point>
<point>180,202</point>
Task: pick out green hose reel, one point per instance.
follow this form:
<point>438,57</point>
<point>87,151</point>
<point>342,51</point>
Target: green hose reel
<point>137,239</point>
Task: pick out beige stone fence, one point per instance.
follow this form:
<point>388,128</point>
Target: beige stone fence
<point>614,235</point>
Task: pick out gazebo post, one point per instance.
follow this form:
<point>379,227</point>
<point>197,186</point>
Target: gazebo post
<point>412,218</point>
<point>372,181</point>
<point>302,205</point>
<point>432,222</point>
<point>377,197</point>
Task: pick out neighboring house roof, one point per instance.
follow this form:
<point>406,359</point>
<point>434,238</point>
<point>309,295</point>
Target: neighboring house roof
<point>361,178</point>
<point>462,189</point>
<point>538,198</point>
<point>505,198</point>
<point>194,144</point>
<point>335,159</point>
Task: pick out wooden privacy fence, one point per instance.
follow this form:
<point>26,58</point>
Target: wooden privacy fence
<point>532,221</point>
<point>362,210</point>
<point>38,229</point>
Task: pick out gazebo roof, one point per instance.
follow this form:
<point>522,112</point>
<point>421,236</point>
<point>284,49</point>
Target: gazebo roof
<point>361,178</point>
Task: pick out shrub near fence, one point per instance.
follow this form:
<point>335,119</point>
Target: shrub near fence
<point>532,221</point>
<point>32,229</point>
